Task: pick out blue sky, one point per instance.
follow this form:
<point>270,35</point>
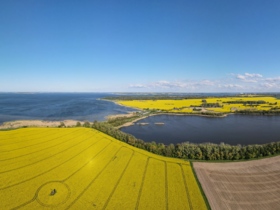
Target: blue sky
<point>140,46</point>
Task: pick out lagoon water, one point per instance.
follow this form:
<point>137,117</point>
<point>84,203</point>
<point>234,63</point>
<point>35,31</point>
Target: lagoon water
<point>57,106</point>
<point>233,129</point>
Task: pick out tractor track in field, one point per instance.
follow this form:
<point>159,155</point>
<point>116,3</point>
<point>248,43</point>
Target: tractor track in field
<point>38,151</point>
<point>39,143</point>
<point>89,156</point>
<point>186,186</point>
<point>88,186</point>
<point>46,157</point>
<point>3,188</point>
<point>142,184</point>
<point>117,183</point>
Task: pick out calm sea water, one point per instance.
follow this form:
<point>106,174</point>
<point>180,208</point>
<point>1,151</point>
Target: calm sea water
<point>233,129</point>
<point>57,106</point>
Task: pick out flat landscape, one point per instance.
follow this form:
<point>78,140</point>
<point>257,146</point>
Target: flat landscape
<point>81,168</point>
<point>214,104</point>
<point>241,185</point>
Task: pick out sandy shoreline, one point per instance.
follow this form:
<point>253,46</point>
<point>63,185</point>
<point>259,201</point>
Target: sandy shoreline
<point>183,114</point>
<point>71,123</point>
<point>132,122</point>
<point>111,117</point>
<point>37,123</point>
<point>123,105</point>
<point>141,118</point>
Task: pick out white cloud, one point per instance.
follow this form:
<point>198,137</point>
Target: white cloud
<point>249,77</point>
<point>253,75</point>
<point>168,84</point>
<point>232,86</point>
<point>205,83</point>
<point>275,79</point>
<point>271,85</point>
<point>163,84</point>
<point>137,86</point>
<point>233,82</point>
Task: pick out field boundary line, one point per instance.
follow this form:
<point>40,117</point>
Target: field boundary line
<point>38,150</point>
<point>41,142</point>
<point>92,181</point>
<point>116,185</point>
<point>166,187</point>
<point>186,186</point>
<point>153,155</point>
<point>200,187</point>
<point>49,169</point>
<point>142,184</point>
<point>46,157</point>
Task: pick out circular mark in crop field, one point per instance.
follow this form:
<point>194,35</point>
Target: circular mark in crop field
<point>53,193</point>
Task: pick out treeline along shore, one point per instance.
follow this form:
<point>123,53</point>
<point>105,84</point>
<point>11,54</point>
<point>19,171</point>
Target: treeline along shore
<point>185,150</point>
<point>165,96</point>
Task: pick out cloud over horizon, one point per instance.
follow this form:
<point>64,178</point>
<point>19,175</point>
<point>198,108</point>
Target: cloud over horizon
<point>246,82</point>
<point>249,77</point>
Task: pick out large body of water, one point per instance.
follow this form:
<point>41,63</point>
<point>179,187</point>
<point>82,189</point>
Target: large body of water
<point>57,106</point>
<point>233,129</point>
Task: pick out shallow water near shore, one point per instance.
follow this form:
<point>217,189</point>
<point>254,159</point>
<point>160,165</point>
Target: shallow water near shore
<point>233,129</point>
<point>57,106</point>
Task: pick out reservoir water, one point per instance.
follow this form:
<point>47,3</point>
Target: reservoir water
<point>233,129</point>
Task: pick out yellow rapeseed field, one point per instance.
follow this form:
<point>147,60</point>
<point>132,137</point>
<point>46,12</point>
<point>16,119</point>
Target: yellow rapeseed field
<point>81,168</point>
<point>186,105</point>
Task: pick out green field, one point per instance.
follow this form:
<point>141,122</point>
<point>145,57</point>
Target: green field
<point>89,170</point>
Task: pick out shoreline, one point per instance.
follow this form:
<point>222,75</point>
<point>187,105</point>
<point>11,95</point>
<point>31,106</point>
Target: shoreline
<point>70,123</point>
<point>131,122</point>
<point>122,105</point>
<point>37,123</point>
<point>141,118</point>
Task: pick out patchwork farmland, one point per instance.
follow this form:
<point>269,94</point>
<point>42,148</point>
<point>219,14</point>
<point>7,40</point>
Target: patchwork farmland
<point>81,168</point>
<point>222,105</point>
<point>241,185</point>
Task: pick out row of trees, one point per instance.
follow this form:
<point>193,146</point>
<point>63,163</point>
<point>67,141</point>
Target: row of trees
<point>180,96</point>
<point>246,102</point>
<point>274,111</point>
<point>117,121</point>
<point>206,151</point>
<point>211,105</point>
